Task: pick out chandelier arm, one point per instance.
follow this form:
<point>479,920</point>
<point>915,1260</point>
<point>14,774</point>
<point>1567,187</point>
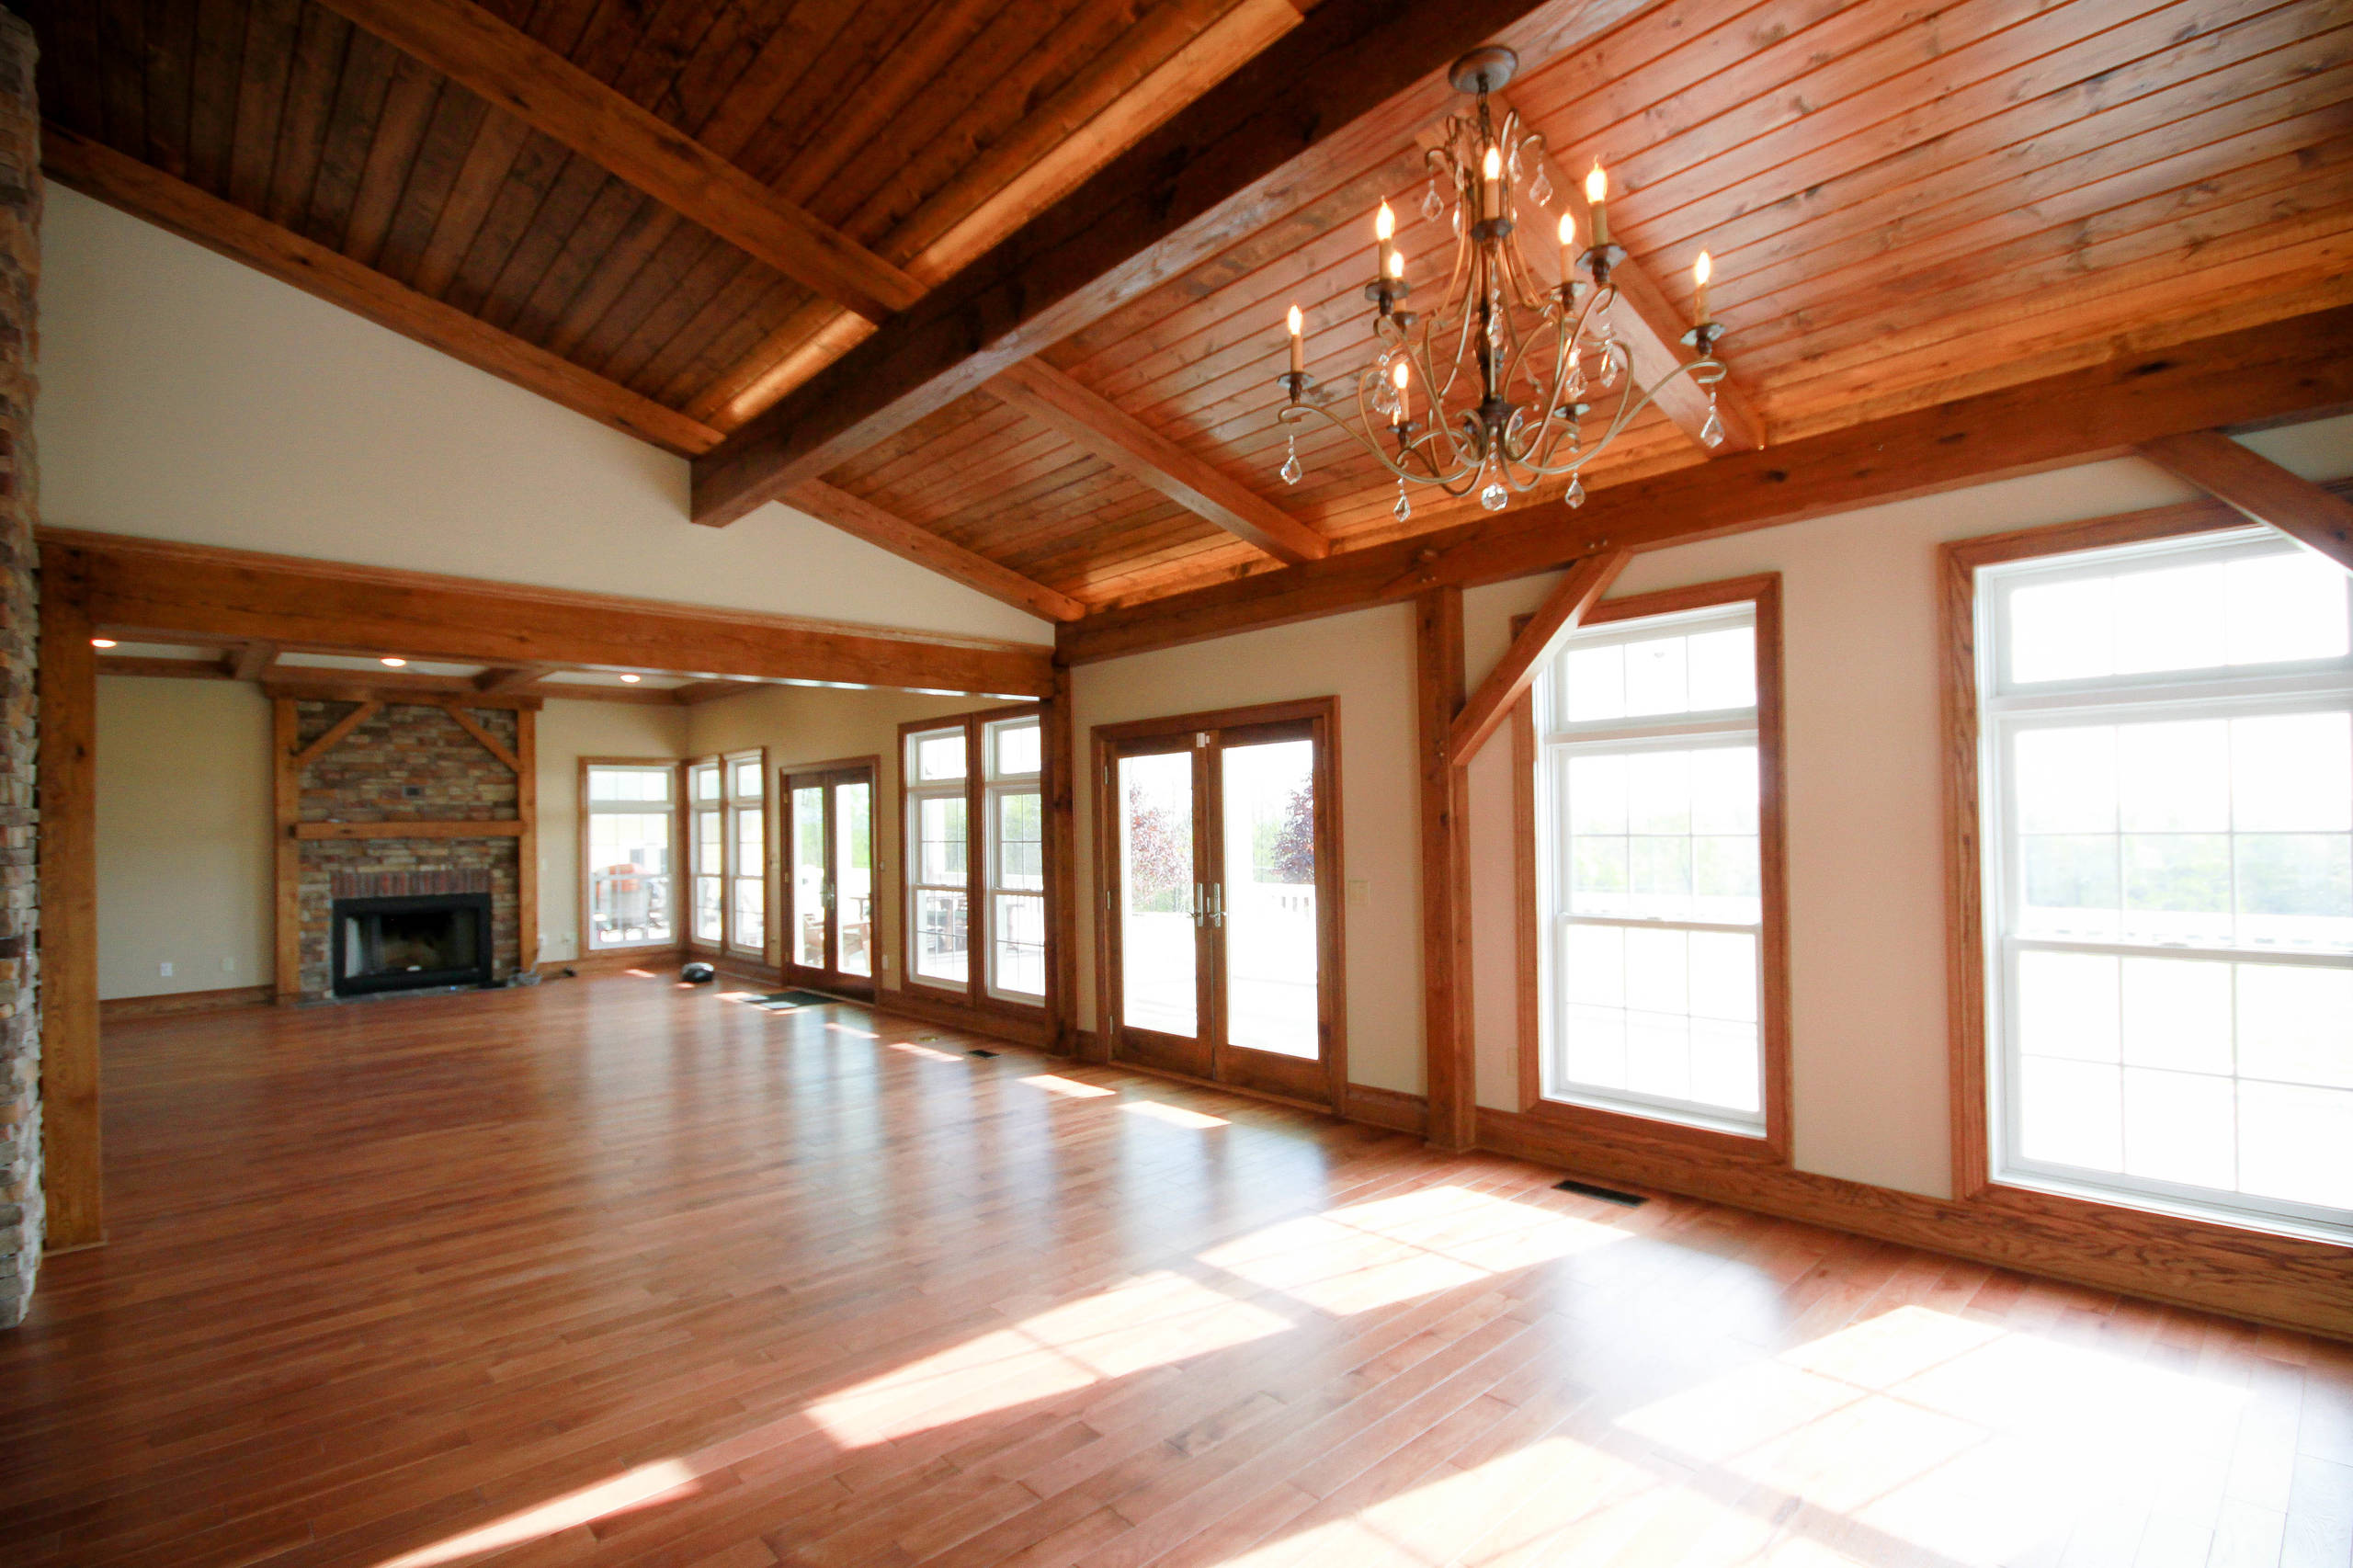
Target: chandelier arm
<point>1456,458</point>
<point>1291,413</point>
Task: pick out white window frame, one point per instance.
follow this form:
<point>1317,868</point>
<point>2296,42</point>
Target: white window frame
<point>591,808</point>
<point>2006,709</point>
<point>701,808</point>
<point>1557,740</point>
<point>913,791</point>
<point>741,803</point>
<point>997,787</point>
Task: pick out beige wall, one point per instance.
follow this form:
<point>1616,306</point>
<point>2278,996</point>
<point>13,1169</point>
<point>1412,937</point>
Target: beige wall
<point>184,851</point>
<point>185,396</point>
<point>803,724</point>
<point>1366,661</point>
<point>568,732</point>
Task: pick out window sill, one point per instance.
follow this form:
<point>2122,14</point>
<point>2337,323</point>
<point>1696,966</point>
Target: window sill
<point>1737,1143</point>
<point>2035,1184</point>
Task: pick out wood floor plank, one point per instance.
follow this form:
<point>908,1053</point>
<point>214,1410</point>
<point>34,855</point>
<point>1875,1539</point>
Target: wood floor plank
<point>609,1274</point>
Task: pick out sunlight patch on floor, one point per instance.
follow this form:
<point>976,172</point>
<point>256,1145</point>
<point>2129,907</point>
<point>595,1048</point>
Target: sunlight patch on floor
<point>1153,1321</point>
<point>928,1053</point>
<point>1174,1116</point>
<point>590,1504</point>
<point>1372,1254</point>
<point>1069,1087</point>
<point>845,1028</point>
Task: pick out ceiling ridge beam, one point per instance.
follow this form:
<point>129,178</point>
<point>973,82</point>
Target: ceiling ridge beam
<point>2254,486</point>
<point>99,170</point>
<point>885,529</point>
<point>1099,425</point>
<point>2298,367</point>
<point>1355,79</point>
<point>515,72</point>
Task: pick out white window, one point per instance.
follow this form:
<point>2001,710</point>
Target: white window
<point>1648,872</point>
<point>630,825</point>
<point>938,874</point>
<point>708,849</point>
<point>747,860</point>
<point>2167,769</point>
<point>1015,812</point>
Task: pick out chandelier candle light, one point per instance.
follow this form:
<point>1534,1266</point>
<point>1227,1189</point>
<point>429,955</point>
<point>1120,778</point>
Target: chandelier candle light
<point>1501,358</point>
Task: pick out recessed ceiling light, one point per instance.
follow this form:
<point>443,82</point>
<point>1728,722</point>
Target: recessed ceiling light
<point>103,643</point>
<point>395,664</point>
<point>632,680</point>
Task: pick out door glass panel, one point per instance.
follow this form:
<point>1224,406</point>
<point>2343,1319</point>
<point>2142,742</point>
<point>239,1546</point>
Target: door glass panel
<point>809,877</point>
<point>1270,897</point>
<point>854,872</point>
<point>1157,937</point>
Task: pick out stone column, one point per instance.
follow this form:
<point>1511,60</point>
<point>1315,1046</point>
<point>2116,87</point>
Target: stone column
<point>21,1212</point>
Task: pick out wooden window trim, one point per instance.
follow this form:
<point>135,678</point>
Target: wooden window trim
<point>973,993</point>
<point>680,878</point>
<point>1329,850</point>
<point>1773,1149</point>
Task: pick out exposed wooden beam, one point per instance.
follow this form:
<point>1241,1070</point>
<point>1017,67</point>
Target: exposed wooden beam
<point>1053,398</point>
<point>517,73</point>
<point>309,685</point>
<point>1651,328</point>
<point>1350,85</point>
<point>696,691</point>
<point>2319,520</point>
<point>512,678</point>
<point>887,530</point>
<point>1124,93</point>
<point>1448,1066</point>
<point>172,669</point>
<point>98,171</point>
<point>67,841</point>
<point>2299,367</point>
<point>251,661</point>
<point>1577,592</point>
<point>154,589</point>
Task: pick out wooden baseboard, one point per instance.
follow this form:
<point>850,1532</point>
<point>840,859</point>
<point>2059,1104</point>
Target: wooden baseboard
<point>2285,1280</point>
<point>1029,1027</point>
<point>121,1009</point>
<point>1388,1107</point>
<point>614,962</point>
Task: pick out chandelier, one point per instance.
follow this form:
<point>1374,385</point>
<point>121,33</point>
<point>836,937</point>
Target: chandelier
<point>1495,386</point>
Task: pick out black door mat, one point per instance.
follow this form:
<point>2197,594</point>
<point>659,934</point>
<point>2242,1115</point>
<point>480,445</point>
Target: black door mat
<point>786,1001</point>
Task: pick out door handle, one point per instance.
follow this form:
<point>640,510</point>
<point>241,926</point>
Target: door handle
<point>1217,903</point>
<point>1200,912</point>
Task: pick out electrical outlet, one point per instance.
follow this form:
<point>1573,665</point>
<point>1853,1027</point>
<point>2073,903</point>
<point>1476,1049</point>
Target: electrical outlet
<point>886,960</point>
<point>1359,892</point>
<point>166,968</point>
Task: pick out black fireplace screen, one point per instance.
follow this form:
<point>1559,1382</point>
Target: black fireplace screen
<point>402,944</point>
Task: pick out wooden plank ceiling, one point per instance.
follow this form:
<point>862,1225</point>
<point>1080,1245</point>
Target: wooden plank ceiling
<point>1906,204</point>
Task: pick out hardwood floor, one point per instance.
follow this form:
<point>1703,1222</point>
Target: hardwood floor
<point>611,1272</point>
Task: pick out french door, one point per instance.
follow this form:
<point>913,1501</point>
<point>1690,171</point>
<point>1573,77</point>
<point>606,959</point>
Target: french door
<point>829,935</point>
<point>1221,930</point>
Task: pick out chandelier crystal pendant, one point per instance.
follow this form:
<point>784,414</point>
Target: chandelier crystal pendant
<point>1506,371</point>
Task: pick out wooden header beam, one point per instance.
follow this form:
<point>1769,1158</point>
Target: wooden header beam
<point>1128,444</point>
<point>1352,84</point>
<point>2300,367</point>
<point>517,73</point>
<point>2251,483</point>
<point>151,591</point>
<point>97,170</point>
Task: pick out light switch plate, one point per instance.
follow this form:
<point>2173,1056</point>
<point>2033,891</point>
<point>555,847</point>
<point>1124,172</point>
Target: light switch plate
<point>1359,892</point>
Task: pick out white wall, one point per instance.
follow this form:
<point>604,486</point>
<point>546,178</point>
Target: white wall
<point>568,730</point>
<point>1866,850</point>
<point>184,847</point>
<point>186,396</point>
<point>1366,661</point>
<point>809,725</point>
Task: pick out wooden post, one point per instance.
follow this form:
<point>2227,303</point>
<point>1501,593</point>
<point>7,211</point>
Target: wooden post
<point>68,695</point>
<point>1062,868</point>
<point>1445,852</point>
<point>526,847</point>
<point>286,801</point>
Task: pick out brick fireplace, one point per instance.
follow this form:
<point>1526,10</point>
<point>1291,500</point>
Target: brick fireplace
<point>416,803</point>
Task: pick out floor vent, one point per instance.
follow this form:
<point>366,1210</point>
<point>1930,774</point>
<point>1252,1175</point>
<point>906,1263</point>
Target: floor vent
<point>1606,1194</point>
<point>978,1052</point>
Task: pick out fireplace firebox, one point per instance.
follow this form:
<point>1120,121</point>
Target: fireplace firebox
<point>411,944</point>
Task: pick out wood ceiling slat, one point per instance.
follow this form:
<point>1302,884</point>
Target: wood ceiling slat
<point>531,263</point>
<point>520,208</point>
<point>123,82</point>
<point>352,126</point>
<point>68,72</point>
<point>408,111</point>
<point>654,288</point>
<point>498,142</point>
<point>270,28</point>
<point>654,355</point>
<point>433,173</point>
<point>678,372</point>
<point>319,47</point>
<point>218,47</point>
<point>1984,161</point>
<point>171,32</point>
